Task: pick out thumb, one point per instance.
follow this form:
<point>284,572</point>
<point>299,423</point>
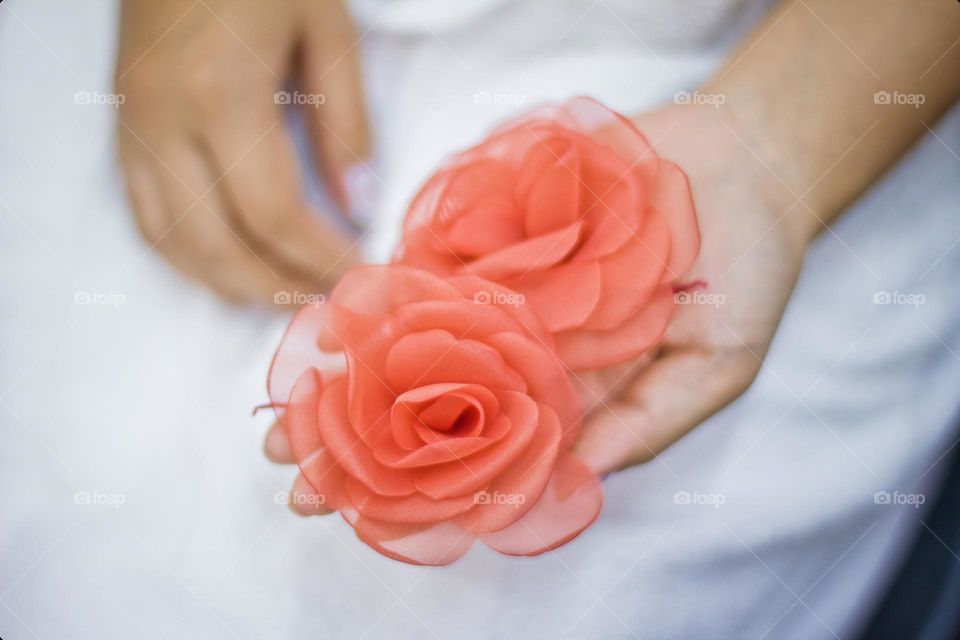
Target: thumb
<point>666,400</point>
<point>338,121</point>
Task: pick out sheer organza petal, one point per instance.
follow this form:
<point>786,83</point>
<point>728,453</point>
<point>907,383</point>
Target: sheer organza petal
<point>327,478</point>
<point>308,343</point>
<point>437,356</point>
<point>418,416</point>
<point>630,276</point>
<point>412,508</point>
<point>389,453</point>
<point>505,300</point>
<point>585,350</point>
<point>475,472</point>
<point>547,378</point>
<point>540,252</point>
<point>302,425</point>
<point>434,544</point>
<point>378,289</point>
<point>515,490</point>
<point>465,318</point>
<point>490,225</point>
<point>563,297</point>
<point>351,453</point>
<point>569,504</point>
<point>674,201</point>
<point>549,186</point>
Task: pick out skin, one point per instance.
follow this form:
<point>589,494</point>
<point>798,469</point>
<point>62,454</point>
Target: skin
<point>209,164</point>
<point>797,138</point>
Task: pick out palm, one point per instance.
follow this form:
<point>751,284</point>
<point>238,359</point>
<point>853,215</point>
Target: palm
<point>734,298</point>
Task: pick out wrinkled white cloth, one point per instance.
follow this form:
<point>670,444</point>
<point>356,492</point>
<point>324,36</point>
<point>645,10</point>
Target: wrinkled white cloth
<point>124,387</point>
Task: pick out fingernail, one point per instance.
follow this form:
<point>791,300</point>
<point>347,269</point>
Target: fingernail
<point>361,188</point>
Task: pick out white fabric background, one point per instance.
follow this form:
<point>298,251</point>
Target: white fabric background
<point>150,400</point>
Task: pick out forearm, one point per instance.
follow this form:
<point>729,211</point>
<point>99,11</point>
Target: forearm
<point>800,93</point>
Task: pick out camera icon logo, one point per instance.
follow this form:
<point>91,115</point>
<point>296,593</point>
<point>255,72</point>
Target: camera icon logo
<point>882,497</point>
<point>482,297</point>
<point>282,97</point>
<point>282,297</point>
<point>882,297</point>
<point>882,97</point>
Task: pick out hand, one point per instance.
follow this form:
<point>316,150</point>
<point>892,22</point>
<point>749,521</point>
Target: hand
<point>210,166</point>
<point>743,277</point>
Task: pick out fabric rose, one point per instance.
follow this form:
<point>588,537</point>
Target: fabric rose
<point>569,206</point>
<point>431,412</point>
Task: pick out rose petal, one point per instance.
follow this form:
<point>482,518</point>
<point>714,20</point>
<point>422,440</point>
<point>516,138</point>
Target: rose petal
<point>350,452</point>
<point>388,452</point>
<point>490,225</point>
<point>436,356</point>
<point>630,276</point>
<point>521,483</point>
<point>307,343</point>
<point>378,289</point>
<point>521,415</point>
<point>430,544</point>
<point>540,252</point>
<point>585,350</point>
<point>563,297</point>
<point>412,508</point>
<point>507,302</point>
<point>570,503</point>
<point>674,201</point>
<point>465,318</point>
<point>326,477</point>
<point>302,417</point>
<point>549,186</point>
<point>547,379</point>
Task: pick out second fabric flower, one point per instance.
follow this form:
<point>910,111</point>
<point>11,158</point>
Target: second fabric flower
<point>569,206</point>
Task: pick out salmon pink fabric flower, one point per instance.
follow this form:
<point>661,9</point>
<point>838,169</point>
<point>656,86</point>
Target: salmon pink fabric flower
<point>431,412</point>
<point>569,206</point>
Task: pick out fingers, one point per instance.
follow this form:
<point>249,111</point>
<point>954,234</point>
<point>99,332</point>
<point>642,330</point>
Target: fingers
<point>670,397</point>
<point>339,123</point>
<point>277,445</point>
<point>202,239</point>
<point>262,189</point>
<point>600,386</point>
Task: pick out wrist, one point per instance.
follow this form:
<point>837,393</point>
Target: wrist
<point>719,155</point>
